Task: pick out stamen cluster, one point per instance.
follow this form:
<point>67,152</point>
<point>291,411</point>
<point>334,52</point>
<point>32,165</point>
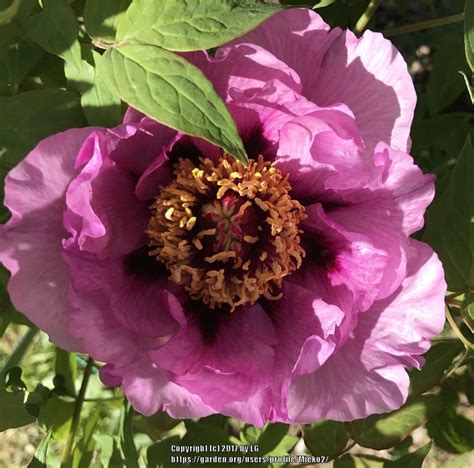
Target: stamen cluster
<point>228,233</point>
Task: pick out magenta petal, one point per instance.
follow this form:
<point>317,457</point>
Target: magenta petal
<point>108,377</point>
<point>367,375</point>
<point>306,327</point>
<point>30,243</point>
<point>240,336</point>
<point>149,390</point>
<point>338,260</point>
<point>104,216</point>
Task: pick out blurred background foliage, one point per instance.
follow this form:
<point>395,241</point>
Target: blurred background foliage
<point>45,49</point>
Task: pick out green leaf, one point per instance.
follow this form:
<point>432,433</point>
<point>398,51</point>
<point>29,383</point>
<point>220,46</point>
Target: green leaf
<point>323,4</point>
<point>56,31</point>
<point>359,461</point>
<point>450,223</point>
<point>49,111</point>
<point>79,74</point>
<point>66,370</point>
<point>101,107</point>
<point>467,310</point>
<point>16,64</point>
<point>469,32</point>
<point>438,359</point>
<point>158,455</point>
<point>186,25</point>
<point>402,448</point>
<point>126,437</point>
<point>444,84</point>
<point>325,437</point>
<point>469,86</point>
<point>84,450</point>
<point>8,10</point>
<point>201,433</point>
<point>101,18</point>
<point>12,409</point>
<point>39,459</point>
<point>58,416</point>
<point>461,461</point>
<point>250,434</point>
<point>411,460</point>
<point>169,89</point>
<point>386,430</point>
<point>271,437</point>
<point>110,456</point>
<point>13,379</point>
<point>37,401</point>
<point>452,432</point>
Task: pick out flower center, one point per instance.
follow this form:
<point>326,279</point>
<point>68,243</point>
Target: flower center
<point>228,233</point>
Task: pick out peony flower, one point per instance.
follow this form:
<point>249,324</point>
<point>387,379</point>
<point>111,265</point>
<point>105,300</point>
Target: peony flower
<point>288,290</point>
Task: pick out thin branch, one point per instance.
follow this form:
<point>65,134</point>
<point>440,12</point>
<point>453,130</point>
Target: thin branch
<point>408,28</point>
<point>456,330</point>
<point>459,363</point>
<point>453,303</point>
<point>366,16</point>
<point>76,416</point>
<point>19,352</point>
<point>456,294</point>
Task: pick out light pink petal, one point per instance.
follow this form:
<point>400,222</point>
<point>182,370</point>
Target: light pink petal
<point>412,190</point>
<point>30,243</point>
<point>319,148</point>
<point>367,375</point>
<point>290,32</point>
<point>367,74</point>
<point>246,67</point>
<point>371,77</point>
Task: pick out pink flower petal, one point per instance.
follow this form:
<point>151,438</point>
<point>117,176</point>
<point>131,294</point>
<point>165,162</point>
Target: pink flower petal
<point>367,74</point>
<point>367,375</point>
<point>104,216</point>
<point>30,243</point>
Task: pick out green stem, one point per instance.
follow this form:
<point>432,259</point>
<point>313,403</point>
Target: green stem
<point>98,400</point>
<point>76,415</point>
<point>454,303</point>
<point>366,16</point>
<point>408,28</point>
<point>456,330</point>
<point>457,365</point>
<point>456,294</point>
<point>19,352</point>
